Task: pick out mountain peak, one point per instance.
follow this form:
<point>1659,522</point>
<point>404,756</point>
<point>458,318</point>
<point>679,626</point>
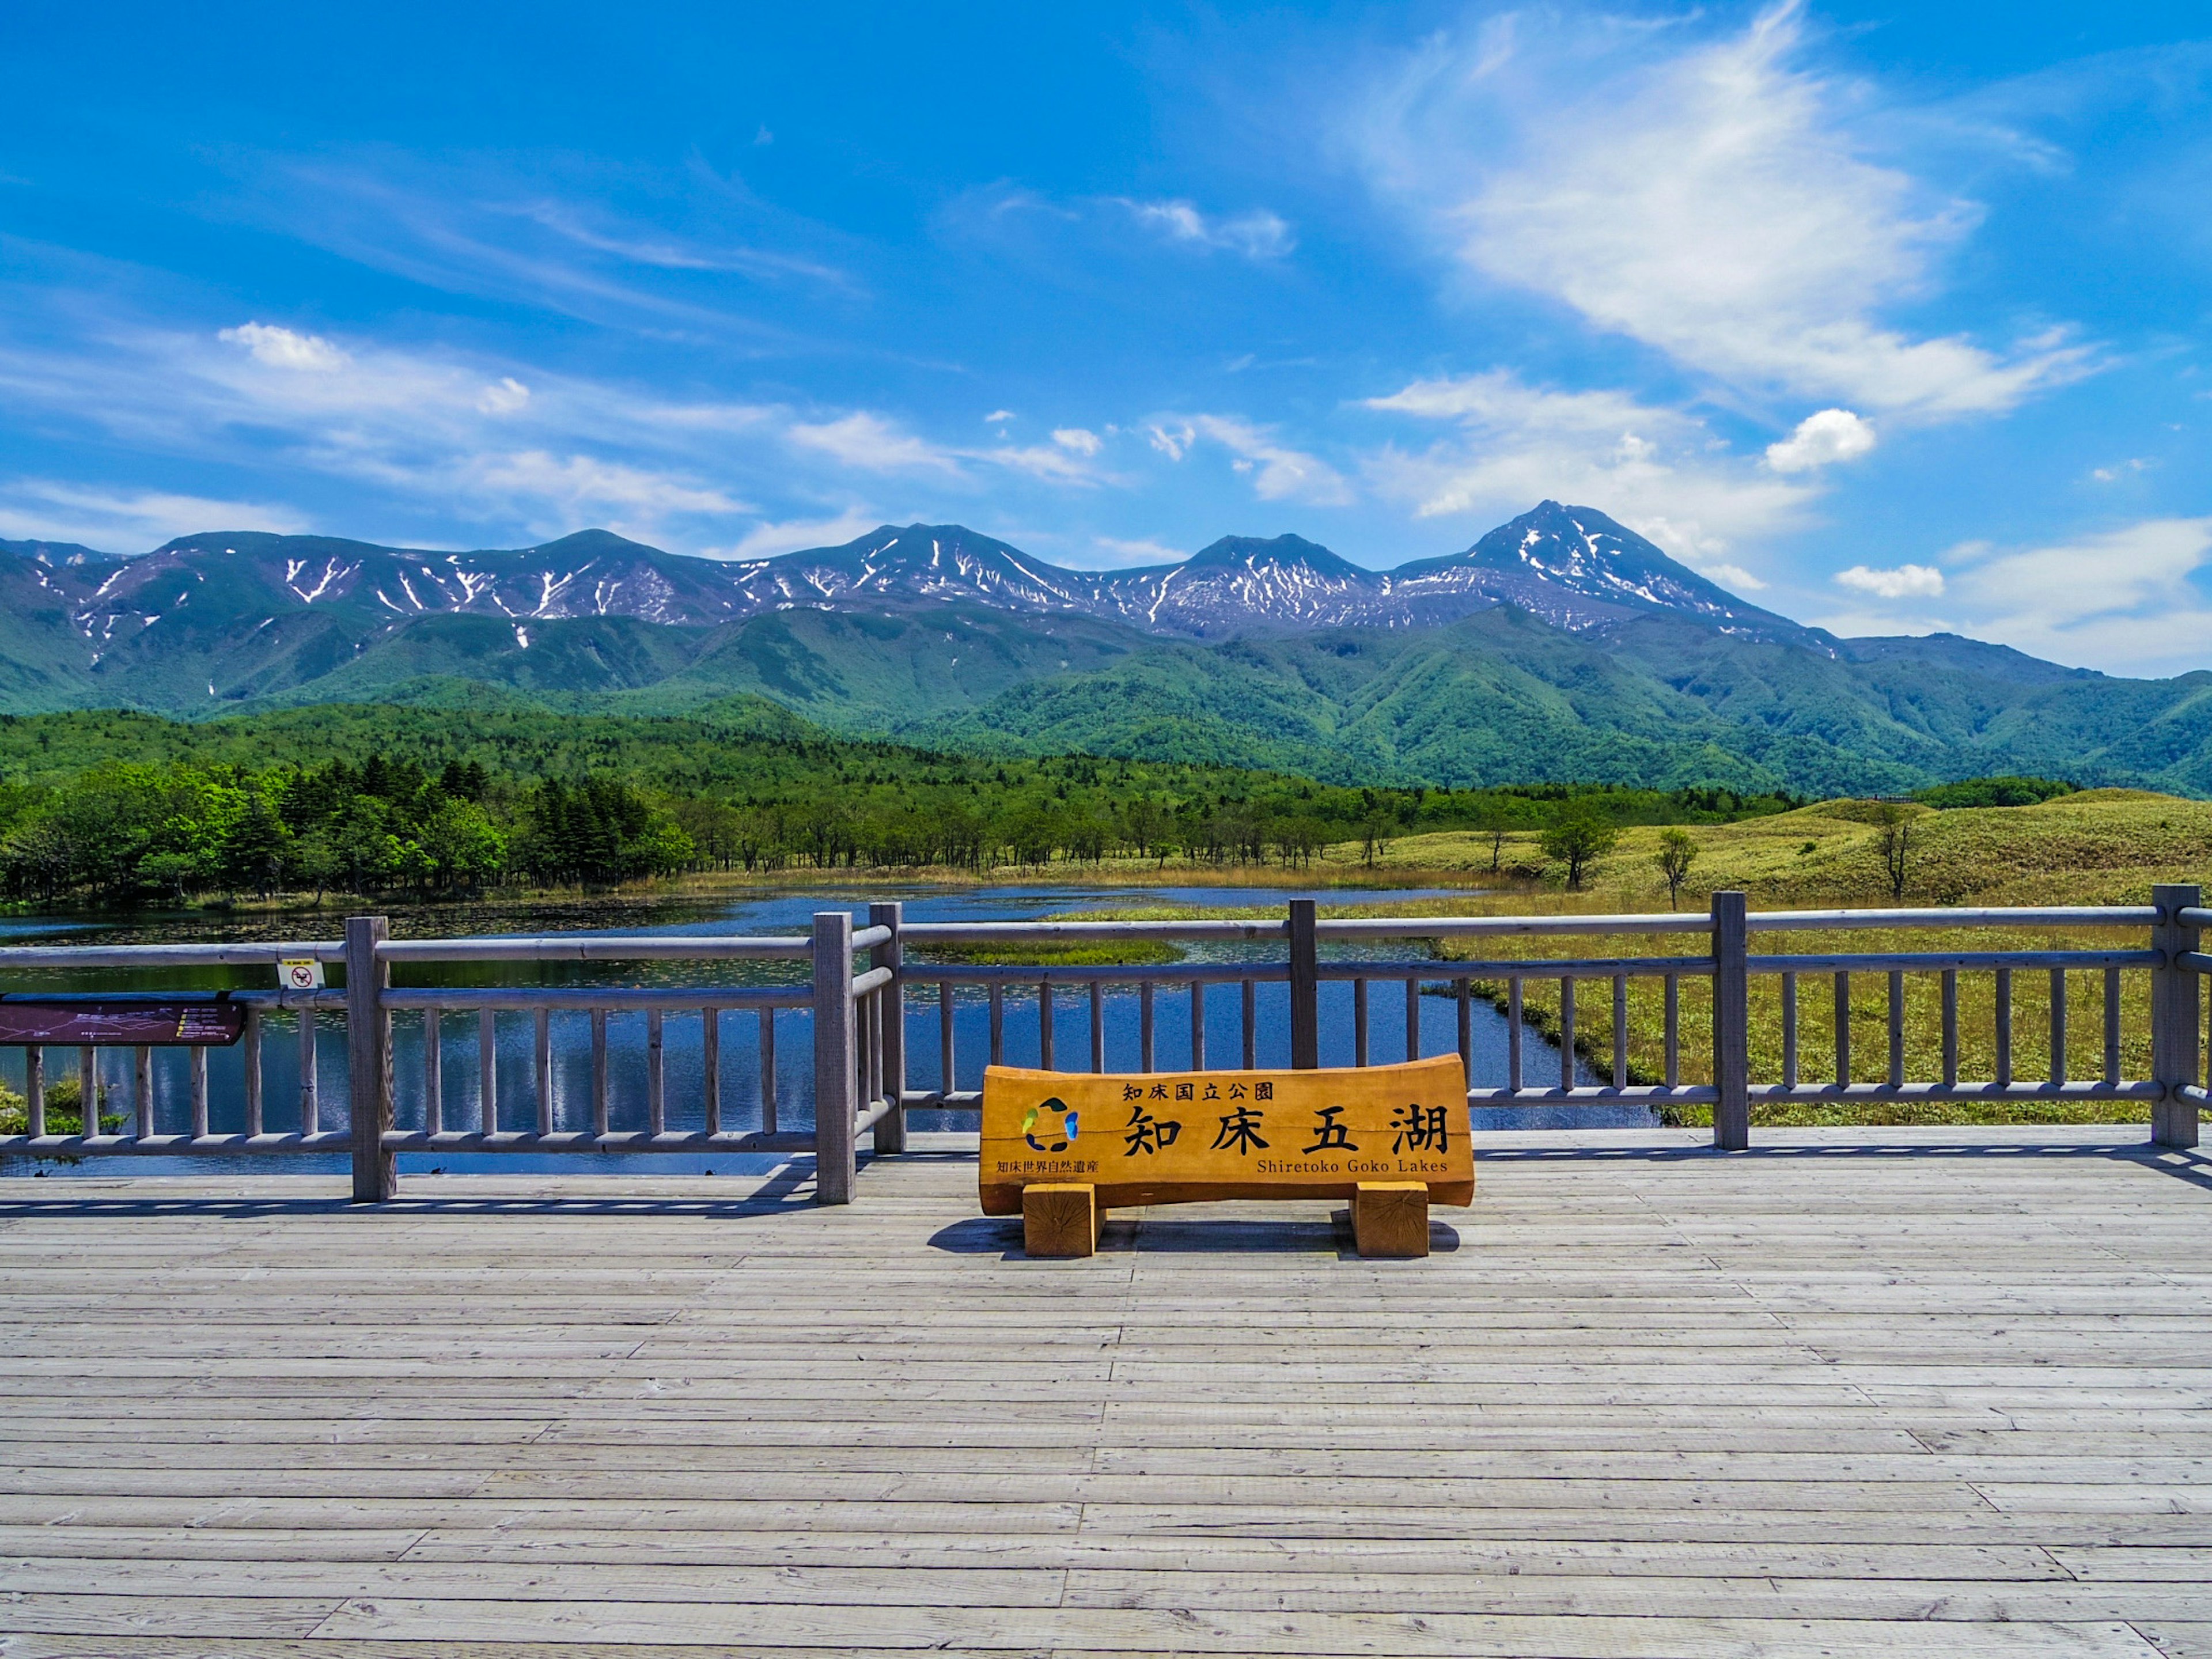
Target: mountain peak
<point>591,544</point>
<point>1251,552</point>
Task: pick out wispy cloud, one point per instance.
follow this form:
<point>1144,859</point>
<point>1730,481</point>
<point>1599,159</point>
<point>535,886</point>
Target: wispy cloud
<point>768,539</point>
<point>1257,234</point>
<point>2128,601</point>
<point>1715,198</point>
<point>491,440</point>
<point>1658,469</point>
<point>1278,472</point>
<point>126,520</point>
<point>1906,581</point>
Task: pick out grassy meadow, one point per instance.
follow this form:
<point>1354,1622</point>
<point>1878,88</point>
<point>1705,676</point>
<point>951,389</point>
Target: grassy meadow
<point>2100,846</point>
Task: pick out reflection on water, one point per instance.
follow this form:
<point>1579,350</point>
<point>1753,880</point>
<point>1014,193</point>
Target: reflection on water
<point>515,1086</point>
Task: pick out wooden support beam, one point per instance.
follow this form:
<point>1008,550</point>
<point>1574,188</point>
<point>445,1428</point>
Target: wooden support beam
<point>1390,1219</point>
<point>1063,1219</point>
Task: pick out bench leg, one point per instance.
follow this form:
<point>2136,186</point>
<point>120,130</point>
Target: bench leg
<point>1390,1218</point>
<point>1059,1220</point>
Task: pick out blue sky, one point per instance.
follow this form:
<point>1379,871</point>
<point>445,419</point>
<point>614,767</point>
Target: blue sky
<point>1892,317</point>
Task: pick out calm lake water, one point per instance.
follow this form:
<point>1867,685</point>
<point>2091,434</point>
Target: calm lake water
<point>782,912</point>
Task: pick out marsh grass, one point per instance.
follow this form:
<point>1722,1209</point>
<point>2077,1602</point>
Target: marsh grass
<point>2100,846</point>
<point>64,1107</point>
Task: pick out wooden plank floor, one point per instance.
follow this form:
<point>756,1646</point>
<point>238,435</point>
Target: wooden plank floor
<point>1951,1395</point>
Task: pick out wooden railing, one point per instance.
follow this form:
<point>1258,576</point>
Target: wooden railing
<point>860,1014</point>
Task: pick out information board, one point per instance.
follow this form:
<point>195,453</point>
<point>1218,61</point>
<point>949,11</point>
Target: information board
<point>1168,1137</point>
<point>90,1023</point>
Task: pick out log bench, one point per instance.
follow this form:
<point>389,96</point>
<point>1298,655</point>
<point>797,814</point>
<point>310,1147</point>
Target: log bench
<point>1059,1149</point>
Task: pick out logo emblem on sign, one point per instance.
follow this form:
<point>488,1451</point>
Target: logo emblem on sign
<point>1054,1107</point>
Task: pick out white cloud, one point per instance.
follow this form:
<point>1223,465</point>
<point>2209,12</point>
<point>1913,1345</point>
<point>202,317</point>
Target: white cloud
<point>1052,464</point>
<point>504,398</point>
<point>1258,235</point>
<point>766,540</point>
<point>281,347</point>
<point>997,416</point>
<point>1906,581</point>
<point>1822,440</point>
<point>1279,473</point>
<point>2128,601</point>
<point>1656,469</point>
<point>1730,575</point>
<point>586,486</point>
<point>1075,438</point>
<point>874,445</point>
<point>1141,551</point>
<point>125,520</point>
<point>1712,198</point>
<point>2114,474</point>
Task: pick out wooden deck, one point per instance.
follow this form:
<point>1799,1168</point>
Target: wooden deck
<point>1647,1401</point>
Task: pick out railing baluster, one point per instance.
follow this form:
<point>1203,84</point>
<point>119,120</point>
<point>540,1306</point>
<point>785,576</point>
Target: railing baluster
<point>1896,1029</point>
<point>1567,1033</point>
<point>35,1090</point>
<point>434,1074</point>
<point>1621,1030</point>
<point>946,1071</point>
<point>2004,1027</point>
<point>1674,1031</point>
<point>2058,1025</point>
<point>2111,1025</point>
<point>598,1071</point>
<point>1147,1060</point>
<point>1790,1030</point>
<point>1359,1022</point>
<point>88,1083</point>
<point>542,1062</point>
<point>488,1070</point>
<point>249,1055</point>
<point>997,1024</point>
<point>1247,1001</point>
<point>1513,1034</point>
<point>200,1085</point>
<point>768,1071</point>
<point>710,1068</point>
<point>141,1088</point>
<point>1097,1026</point>
<point>868,1049</point>
<point>1044,1024</point>
<point>1843,1030</point>
<point>1414,1018</point>
<point>310,1089</point>
<point>1463,1007</point>
<point>1950,1028</point>
<point>1198,1026</point>
<point>656,1095</point>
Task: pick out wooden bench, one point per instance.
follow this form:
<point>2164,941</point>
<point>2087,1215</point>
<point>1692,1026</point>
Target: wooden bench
<point>1059,1148</point>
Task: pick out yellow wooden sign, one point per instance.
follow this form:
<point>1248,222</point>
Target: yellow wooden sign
<point>1164,1137</point>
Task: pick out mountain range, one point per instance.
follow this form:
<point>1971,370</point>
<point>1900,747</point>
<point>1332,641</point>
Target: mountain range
<point>1560,644</point>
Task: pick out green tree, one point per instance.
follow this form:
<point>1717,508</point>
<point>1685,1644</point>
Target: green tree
<point>1677,853</point>
<point>1497,818</point>
<point>1894,820</point>
<point>1579,835</point>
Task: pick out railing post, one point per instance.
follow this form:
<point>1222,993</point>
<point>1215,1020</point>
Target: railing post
<point>2175,1001</point>
<point>369,1058</point>
<point>1731,1024</point>
<point>835,1085</point>
<point>1305,988</point>
<point>890,1127</point>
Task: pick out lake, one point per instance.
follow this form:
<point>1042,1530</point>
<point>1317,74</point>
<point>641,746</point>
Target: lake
<point>788,911</point>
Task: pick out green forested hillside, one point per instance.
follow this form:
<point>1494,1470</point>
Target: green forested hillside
<point>390,799</point>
